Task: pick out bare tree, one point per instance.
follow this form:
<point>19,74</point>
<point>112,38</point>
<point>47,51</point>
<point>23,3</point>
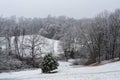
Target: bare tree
<point>16,41</point>
<point>22,48</point>
<point>33,43</point>
<point>114,29</point>
<point>8,39</point>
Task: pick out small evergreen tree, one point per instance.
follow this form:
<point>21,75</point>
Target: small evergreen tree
<point>49,63</point>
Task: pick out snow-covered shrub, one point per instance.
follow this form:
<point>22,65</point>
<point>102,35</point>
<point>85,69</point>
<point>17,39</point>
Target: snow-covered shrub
<point>81,61</point>
<point>61,57</point>
<point>49,63</point>
<point>9,62</point>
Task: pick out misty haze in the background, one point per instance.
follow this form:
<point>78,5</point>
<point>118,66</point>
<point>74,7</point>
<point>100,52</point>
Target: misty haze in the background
<point>71,8</point>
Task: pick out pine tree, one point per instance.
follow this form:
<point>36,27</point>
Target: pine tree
<point>49,63</point>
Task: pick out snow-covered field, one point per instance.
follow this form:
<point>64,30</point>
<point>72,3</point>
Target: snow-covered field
<point>109,71</point>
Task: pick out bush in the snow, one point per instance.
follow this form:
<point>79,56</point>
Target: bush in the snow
<point>49,63</point>
<point>9,62</point>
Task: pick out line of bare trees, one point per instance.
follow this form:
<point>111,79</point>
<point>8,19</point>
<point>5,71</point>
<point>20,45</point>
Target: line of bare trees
<point>97,39</point>
<point>104,37</point>
<point>23,47</point>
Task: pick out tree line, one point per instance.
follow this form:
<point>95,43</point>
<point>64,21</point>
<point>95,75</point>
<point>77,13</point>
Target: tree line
<point>95,39</point>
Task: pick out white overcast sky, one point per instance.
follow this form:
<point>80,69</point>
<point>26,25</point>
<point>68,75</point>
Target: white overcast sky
<point>71,8</point>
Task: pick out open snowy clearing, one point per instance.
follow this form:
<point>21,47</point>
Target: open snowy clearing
<point>66,72</point>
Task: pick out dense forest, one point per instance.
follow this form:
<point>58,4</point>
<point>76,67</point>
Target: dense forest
<point>91,39</point>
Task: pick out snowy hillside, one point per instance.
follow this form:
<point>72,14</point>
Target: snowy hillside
<point>66,72</point>
<point>48,46</point>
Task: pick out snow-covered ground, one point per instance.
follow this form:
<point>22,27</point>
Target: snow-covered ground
<point>109,71</point>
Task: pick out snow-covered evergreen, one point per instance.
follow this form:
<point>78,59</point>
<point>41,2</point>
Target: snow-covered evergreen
<point>49,63</point>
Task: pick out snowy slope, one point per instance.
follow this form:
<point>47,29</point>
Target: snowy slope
<point>49,46</point>
<point>66,72</point>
